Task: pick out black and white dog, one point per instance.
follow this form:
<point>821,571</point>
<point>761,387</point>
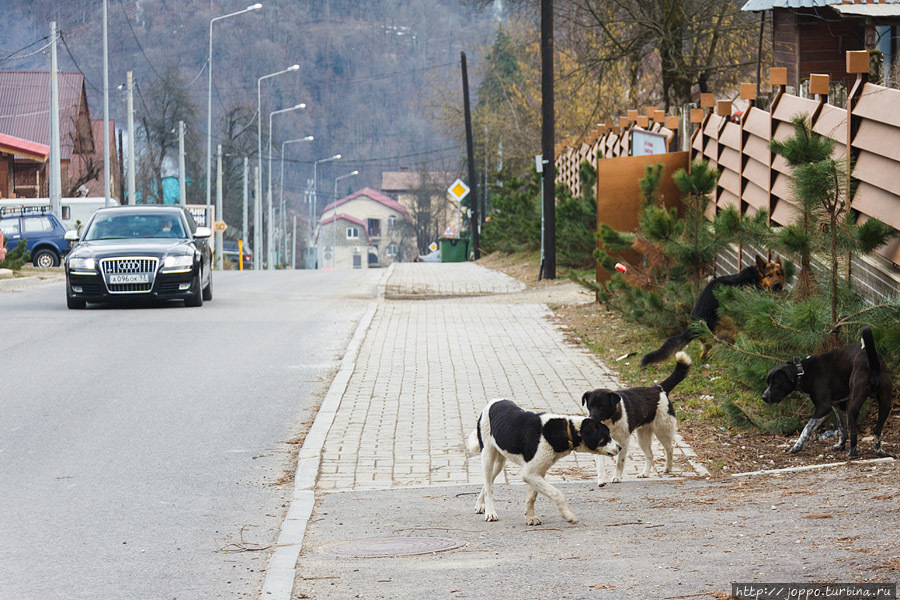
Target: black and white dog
<point>535,441</point>
<point>840,380</point>
<point>646,411</point>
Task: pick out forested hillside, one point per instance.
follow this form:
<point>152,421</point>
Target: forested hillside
<point>364,72</point>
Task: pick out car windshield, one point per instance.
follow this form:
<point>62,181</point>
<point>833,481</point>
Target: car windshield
<point>111,227</point>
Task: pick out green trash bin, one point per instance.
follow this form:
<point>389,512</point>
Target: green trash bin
<point>454,249</point>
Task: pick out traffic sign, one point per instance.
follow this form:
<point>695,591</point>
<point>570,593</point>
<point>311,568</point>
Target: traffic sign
<point>220,226</point>
<point>458,189</point>
<point>433,247</point>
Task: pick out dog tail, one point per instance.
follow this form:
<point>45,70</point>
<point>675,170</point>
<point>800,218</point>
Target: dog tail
<point>682,366</point>
<point>669,347</point>
<point>474,444</point>
<point>868,344</point>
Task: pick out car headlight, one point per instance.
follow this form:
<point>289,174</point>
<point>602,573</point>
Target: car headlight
<point>82,264</point>
<point>185,262</point>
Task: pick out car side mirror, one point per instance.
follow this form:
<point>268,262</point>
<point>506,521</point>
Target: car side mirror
<point>202,233</point>
<point>71,236</point>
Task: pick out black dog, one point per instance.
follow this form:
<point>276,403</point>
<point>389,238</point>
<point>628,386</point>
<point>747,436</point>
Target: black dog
<point>766,275</point>
<point>646,411</point>
<point>838,380</point>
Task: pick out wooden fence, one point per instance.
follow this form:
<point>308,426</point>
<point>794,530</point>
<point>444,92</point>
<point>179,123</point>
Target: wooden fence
<point>753,178</point>
<point>867,132</point>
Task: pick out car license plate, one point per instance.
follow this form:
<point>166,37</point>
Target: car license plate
<point>129,278</point>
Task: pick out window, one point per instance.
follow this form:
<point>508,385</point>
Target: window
<point>392,223</point>
<point>36,224</point>
<point>392,249</point>
<point>374,228</point>
<point>9,227</point>
<point>353,233</point>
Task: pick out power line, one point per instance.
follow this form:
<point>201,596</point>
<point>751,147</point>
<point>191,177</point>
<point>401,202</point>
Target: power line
<point>136,41</point>
<point>13,56</point>
<point>146,58</point>
<point>75,62</point>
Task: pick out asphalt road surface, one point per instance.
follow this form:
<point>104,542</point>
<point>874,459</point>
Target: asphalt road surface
<point>140,446</point>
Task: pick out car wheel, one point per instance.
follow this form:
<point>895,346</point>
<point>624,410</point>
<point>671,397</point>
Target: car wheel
<point>72,302</point>
<point>196,297</point>
<point>207,290</point>
<point>45,259</point>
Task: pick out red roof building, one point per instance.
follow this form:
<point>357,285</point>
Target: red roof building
<point>25,114</point>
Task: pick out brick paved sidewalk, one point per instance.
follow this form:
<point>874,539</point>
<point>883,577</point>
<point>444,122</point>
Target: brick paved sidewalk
<point>418,280</point>
<point>426,369</point>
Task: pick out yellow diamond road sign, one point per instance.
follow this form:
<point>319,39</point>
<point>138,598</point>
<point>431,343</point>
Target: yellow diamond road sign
<point>459,190</point>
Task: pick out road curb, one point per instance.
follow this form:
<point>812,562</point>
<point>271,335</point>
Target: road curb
<point>282,570</point>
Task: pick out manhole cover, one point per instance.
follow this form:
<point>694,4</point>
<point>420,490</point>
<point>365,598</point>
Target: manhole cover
<point>392,546</point>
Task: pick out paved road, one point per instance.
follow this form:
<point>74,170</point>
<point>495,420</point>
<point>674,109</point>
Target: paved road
<point>136,444</point>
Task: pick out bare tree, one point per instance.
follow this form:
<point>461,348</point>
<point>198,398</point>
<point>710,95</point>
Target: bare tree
<point>164,103</point>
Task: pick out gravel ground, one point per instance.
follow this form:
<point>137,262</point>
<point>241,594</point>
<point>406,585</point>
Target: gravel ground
<point>650,539</point>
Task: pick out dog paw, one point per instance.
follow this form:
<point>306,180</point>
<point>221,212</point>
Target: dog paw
<point>854,453</point>
<point>838,447</point>
<point>532,521</point>
<point>479,510</point>
<point>616,479</point>
<point>491,517</point>
<point>643,475</point>
<point>601,484</point>
<point>797,448</point>
<point>570,517</point>
<point>883,454</point>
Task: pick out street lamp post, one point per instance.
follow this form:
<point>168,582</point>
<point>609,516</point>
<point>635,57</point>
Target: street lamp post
<point>314,205</point>
<point>269,229</point>
<point>334,219</point>
<point>257,213</point>
<point>308,138</point>
<point>209,103</point>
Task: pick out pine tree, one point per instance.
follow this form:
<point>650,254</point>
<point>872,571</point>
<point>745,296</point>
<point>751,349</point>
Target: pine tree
<point>825,225</point>
<point>16,257</point>
<point>677,253</point>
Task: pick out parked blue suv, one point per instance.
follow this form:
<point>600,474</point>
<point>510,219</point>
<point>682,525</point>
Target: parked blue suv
<point>42,230</point>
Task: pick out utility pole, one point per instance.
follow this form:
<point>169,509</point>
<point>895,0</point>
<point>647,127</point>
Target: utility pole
<point>294,245</point>
<point>55,168</point>
<point>120,168</point>
<point>105,109</point>
<point>257,250</point>
<point>548,133</point>
<point>182,175</point>
<point>131,162</point>
<point>219,261</point>
<point>474,223</point>
<point>246,194</point>
<point>484,190</point>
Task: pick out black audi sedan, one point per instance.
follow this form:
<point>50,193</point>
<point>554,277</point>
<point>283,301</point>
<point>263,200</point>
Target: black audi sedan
<point>145,251</point>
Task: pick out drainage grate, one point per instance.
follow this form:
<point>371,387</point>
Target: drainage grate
<point>393,546</point>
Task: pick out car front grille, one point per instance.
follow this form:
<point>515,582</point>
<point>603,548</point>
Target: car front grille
<point>129,265</point>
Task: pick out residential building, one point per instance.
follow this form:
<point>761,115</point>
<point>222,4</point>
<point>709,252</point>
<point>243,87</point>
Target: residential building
<point>13,149</point>
<point>25,114</point>
<point>363,230</point>
<point>425,196</point>
<point>812,36</point>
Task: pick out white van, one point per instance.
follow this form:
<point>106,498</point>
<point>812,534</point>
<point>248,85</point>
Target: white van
<point>74,212</point>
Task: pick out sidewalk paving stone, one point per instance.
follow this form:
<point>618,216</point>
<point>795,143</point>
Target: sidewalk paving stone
<point>426,369</point>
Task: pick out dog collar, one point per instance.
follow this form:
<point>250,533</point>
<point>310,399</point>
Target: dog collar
<point>798,364</point>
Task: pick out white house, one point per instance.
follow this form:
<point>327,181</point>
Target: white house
<point>365,229</point>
